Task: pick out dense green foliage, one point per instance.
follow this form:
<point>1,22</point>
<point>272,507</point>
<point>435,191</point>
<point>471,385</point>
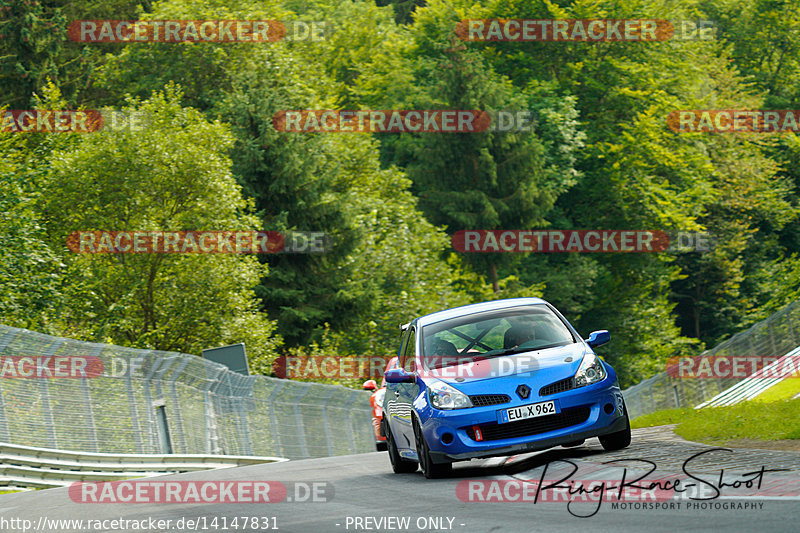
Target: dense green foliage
<point>600,156</point>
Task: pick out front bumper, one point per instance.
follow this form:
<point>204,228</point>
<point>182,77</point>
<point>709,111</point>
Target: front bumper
<point>448,435</point>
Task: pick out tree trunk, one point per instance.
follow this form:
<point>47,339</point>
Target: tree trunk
<point>493,277</point>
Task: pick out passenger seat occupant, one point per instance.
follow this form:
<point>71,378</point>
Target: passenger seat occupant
<point>443,347</point>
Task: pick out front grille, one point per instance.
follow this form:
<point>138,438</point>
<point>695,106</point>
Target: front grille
<point>532,426</point>
<point>558,386</point>
<point>482,400</point>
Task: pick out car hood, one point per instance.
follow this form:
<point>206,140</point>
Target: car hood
<point>551,364</point>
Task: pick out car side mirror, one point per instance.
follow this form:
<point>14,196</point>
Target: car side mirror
<point>370,385</point>
<point>399,375</point>
<point>598,338</point>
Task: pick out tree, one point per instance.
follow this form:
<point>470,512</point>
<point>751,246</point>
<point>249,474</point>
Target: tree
<point>32,36</point>
<point>29,268</point>
<point>173,174</point>
<point>306,182</point>
<point>487,180</point>
<point>334,184</point>
<point>403,9</point>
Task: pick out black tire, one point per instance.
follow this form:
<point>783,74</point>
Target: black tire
<point>399,465</point>
<point>620,439</point>
<point>381,446</point>
<point>430,469</point>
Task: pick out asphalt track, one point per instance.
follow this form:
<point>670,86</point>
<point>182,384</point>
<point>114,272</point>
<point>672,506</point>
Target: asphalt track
<point>363,486</point>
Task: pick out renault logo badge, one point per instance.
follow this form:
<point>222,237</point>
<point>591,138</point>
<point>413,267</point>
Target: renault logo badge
<point>523,391</point>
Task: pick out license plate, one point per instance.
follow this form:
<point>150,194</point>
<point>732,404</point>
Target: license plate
<point>524,412</point>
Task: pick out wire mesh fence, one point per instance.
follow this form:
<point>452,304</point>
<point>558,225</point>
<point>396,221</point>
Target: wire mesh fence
<point>148,401</point>
<point>771,338</point>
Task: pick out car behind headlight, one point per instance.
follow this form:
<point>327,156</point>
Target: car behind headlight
<point>443,396</point>
<point>590,371</point>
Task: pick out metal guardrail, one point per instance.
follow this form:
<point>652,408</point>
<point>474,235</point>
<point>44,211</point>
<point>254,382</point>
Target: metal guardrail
<point>772,337</point>
<point>31,467</point>
<point>155,402</point>
<point>752,386</point>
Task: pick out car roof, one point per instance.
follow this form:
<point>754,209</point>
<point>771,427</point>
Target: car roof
<point>475,308</point>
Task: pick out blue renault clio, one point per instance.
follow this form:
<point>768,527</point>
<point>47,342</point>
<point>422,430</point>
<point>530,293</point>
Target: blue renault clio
<point>497,378</point>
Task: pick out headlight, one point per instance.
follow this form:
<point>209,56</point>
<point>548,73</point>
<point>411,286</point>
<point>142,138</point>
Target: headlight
<point>590,371</point>
<point>443,396</point>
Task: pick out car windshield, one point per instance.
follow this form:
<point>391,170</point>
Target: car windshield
<point>492,334</point>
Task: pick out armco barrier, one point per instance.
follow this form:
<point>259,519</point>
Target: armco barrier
<point>31,467</point>
<point>154,402</point>
<point>752,386</point>
<point>773,337</point>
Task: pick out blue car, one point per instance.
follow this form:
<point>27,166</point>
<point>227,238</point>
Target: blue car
<point>497,378</point>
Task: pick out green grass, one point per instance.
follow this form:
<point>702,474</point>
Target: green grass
<point>716,425</point>
<point>782,391</point>
<point>660,418</point>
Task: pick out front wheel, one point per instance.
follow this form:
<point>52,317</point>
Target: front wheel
<point>399,465</point>
<point>620,439</point>
<point>429,468</point>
